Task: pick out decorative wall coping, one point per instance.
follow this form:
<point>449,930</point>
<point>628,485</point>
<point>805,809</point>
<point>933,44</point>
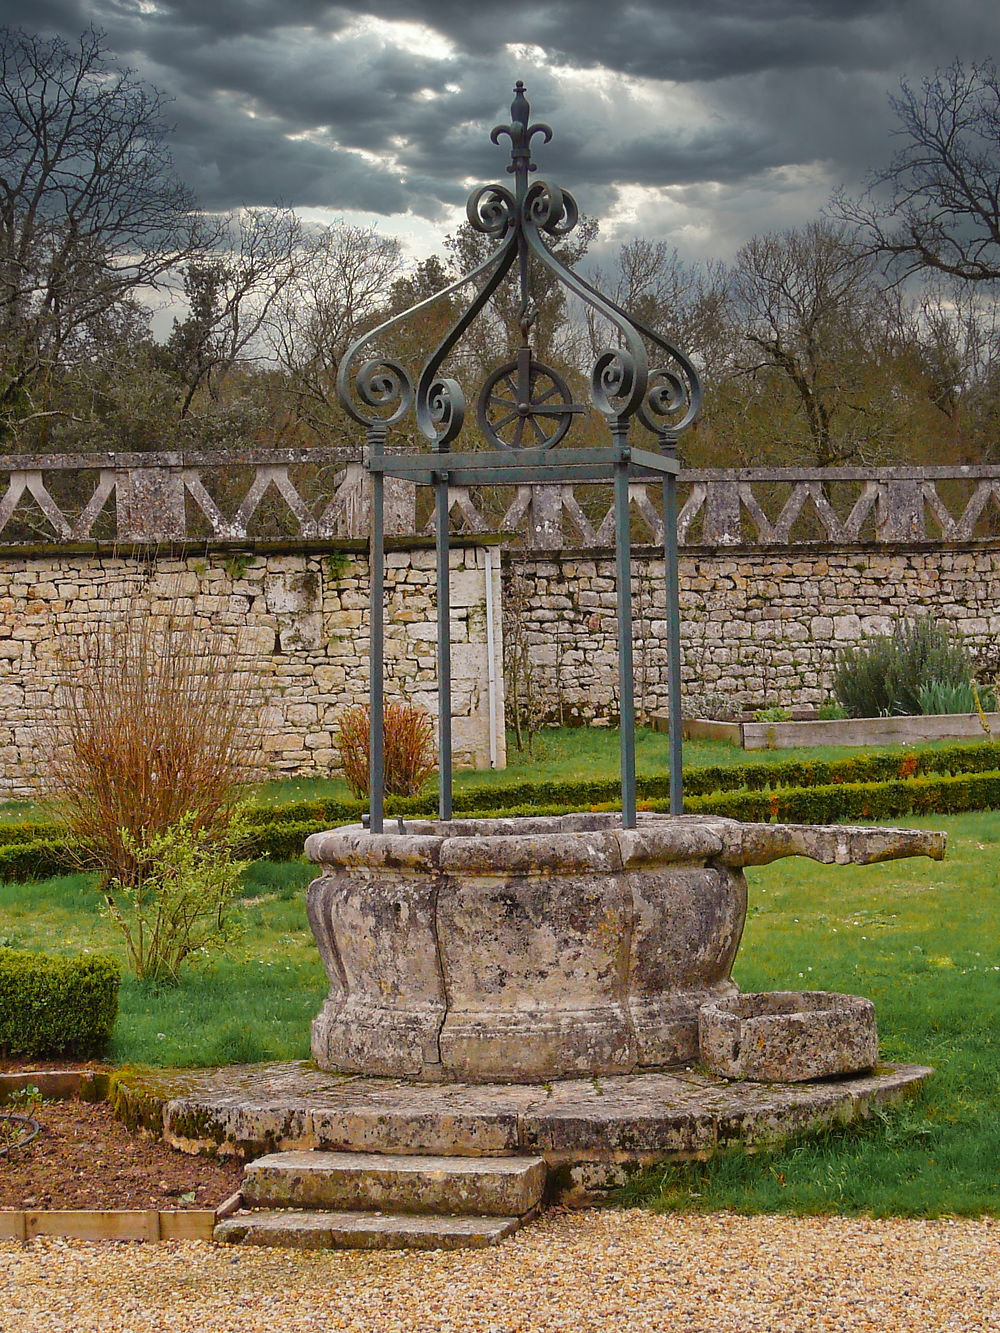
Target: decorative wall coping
<point>252,495</point>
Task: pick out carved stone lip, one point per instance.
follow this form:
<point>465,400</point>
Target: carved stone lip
<point>598,841</point>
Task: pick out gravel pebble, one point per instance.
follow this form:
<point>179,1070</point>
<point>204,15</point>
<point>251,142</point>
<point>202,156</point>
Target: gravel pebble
<point>603,1270</point>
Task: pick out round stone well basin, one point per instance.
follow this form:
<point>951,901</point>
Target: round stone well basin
<point>527,950</point>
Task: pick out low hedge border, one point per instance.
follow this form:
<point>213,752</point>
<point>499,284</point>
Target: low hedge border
<point>869,786</point>
<point>57,1006</point>
<point>980,757</point>
<point>944,794</point>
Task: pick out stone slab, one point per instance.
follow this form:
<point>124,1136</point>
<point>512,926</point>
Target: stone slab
<point>480,1187</point>
<point>588,1128</point>
<point>363,1231</point>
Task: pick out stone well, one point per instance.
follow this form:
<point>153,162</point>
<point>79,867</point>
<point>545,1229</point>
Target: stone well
<point>528,950</point>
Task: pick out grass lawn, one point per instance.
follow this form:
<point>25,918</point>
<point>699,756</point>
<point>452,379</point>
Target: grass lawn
<point>921,938</point>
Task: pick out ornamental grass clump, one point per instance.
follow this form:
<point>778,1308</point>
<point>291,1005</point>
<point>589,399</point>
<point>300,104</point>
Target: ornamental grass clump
<point>159,725</point>
<point>918,662</point>
<point>408,748</point>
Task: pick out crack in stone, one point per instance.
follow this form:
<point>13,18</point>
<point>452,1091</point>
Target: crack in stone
<point>440,962</point>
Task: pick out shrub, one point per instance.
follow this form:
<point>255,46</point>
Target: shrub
<point>830,711</point>
<point>56,1006</point>
<point>177,903</point>
<point>408,749</point>
<point>774,714</point>
<point>884,673</point>
<point>946,696</point>
<point>156,721</point>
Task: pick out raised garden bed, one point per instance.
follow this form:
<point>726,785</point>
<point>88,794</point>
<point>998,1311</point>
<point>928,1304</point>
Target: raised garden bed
<point>860,731</point>
<point>85,1175</point>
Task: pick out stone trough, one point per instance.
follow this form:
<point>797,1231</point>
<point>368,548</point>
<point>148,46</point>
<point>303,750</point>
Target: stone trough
<point>788,1036</point>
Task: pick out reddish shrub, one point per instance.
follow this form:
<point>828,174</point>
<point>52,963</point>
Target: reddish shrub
<point>408,748</point>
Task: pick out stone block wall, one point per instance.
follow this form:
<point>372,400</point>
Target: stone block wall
<point>302,618</point>
<point>759,626</point>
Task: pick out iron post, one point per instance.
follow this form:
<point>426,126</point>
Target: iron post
<point>442,555</point>
<point>671,579</point>
<point>376,706</point>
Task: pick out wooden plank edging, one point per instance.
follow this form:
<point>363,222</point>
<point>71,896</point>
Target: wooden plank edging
<point>58,1085</point>
<point>108,1223</point>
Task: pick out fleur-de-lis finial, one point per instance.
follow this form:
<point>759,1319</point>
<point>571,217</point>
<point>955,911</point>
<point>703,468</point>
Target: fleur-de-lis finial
<point>520,133</point>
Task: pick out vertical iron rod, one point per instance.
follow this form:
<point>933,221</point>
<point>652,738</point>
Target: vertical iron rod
<point>443,643</point>
<point>623,576</point>
<point>672,580</point>
<point>376,708</point>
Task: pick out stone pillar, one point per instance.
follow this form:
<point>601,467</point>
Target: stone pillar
<point>721,525</point>
<point>150,504</point>
<point>899,512</point>
<point>399,501</point>
<point>545,518</point>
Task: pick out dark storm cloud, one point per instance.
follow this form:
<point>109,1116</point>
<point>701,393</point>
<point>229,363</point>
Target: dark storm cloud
<point>312,104</point>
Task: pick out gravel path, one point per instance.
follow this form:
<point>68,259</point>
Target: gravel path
<point>607,1270</point>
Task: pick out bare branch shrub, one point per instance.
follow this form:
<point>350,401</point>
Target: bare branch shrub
<point>523,703</point>
<point>157,721</point>
<point>408,748</point>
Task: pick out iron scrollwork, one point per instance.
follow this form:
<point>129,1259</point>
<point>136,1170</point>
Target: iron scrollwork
<point>524,402</point>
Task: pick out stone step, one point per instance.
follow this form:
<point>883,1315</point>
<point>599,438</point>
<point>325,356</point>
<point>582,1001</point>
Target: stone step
<point>362,1231</point>
<point>397,1183</point>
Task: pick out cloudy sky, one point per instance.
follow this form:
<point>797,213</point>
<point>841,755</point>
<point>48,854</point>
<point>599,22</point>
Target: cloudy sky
<point>698,123</point>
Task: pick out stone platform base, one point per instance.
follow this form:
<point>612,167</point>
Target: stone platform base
<point>592,1133</point>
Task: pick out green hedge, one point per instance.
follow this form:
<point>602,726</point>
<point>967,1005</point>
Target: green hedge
<point>582,794</point>
<point>57,1006</point>
<point>868,786</point>
<point>939,794</point>
<point>41,859</point>
<point>328,812</point>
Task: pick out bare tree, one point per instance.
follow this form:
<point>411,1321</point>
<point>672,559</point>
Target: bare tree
<point>958,341</point>
<point>343,280</point>
<point>650,280</point>
<point>90,208</point>
<point>814,317</point>
<point>232,295</point>
<point>937,204</point>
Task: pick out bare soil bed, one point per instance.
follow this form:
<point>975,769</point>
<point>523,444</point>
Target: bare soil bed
<point>83,1158</point>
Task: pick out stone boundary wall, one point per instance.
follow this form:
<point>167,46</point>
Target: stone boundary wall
<point>302,617</point>
<point>760,627</point>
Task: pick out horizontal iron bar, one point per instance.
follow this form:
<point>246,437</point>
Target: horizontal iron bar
<point>658,463</point>
<point>516,474</point>
<point>404,465</point>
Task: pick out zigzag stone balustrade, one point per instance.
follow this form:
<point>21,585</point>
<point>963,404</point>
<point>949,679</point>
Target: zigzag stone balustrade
<point>322,494</point>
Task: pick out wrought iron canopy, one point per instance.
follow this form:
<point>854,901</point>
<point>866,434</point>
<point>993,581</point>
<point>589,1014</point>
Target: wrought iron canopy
<point>524,410</point>
<point>523,404</point>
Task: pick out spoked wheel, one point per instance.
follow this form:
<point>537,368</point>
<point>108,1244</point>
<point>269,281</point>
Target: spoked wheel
<point>526,404</point>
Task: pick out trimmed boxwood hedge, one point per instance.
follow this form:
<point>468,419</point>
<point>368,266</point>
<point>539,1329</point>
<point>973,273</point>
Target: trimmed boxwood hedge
<point>868,786</point>
<point>57,1006</point>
